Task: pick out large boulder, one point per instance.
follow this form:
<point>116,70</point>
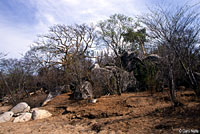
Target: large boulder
<point>6,116</point>
<point>125,80</point>
<point>21,108</point>
<point>84,92</point>
<point>107,80</point>
<point>111,80</point>
<point>130,61</point>
<point>145,69</point>
<point>55,92</point>
<point>23,117</point>
<point>152,58</point>
<point>40,114</point>
<point>50,96</point>
<point>33,109</point>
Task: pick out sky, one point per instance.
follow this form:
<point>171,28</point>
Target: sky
<point>21,21</point>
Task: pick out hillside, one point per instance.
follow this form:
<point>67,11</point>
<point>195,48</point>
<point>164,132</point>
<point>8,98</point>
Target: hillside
<point>129,113</point>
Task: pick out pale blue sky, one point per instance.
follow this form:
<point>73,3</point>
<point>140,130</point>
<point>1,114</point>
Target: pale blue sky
<point>22,20</point>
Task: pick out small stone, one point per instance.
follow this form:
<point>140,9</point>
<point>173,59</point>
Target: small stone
<point>94,100</point>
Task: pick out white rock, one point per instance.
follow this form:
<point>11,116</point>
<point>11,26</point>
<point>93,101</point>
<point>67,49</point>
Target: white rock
<point>96,65</point>
<point>40,114</point>
<point>94,100</point>
<point>23,117</point>
<point>6,116</point>
<point>20,108</point>
<point>33,109</point>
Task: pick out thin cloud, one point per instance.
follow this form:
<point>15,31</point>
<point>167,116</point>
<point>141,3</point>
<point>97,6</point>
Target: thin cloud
<point>21,21</point>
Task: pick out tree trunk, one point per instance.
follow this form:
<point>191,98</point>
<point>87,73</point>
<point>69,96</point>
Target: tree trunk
<point>172,86</point>
<point>142,47</point>
<point>27,94</point>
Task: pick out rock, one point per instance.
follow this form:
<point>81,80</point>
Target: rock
<point>107,80</point>
<point>130,60</point>
<point>50,96</point>
<point>20,108</point>
<point>23,117</point>
<point>111,79</point>
<point>6,116</point>
<point>84,92</point>
<point>125,80</point>
<point>40,114</point>
<point>104,81</point>
<point>96,65</point>
<point>93,100</point>
<point>33,109</point>
<point>141,67</point>
<point>152,57</point>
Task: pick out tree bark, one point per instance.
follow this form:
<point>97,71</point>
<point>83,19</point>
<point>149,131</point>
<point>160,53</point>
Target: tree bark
<point>142,47</point>
<point>172,86</point>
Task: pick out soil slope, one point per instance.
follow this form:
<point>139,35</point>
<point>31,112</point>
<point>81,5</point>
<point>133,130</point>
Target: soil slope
<point>133,113</point>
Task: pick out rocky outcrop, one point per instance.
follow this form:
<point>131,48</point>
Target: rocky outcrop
<point>125,80</point>
<point>20,108</point>
<point>84,92</point>
<point>6,116</point>
<point>107,80</point>
<point>50,96</point>
<point>145,69</point>
<point>23,117</point>
<point>111,79</point>
<point>40,114</point>
<point>130,61</point>
<point>152,58</point>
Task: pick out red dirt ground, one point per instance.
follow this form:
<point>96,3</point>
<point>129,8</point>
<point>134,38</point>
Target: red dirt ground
<point>132,113</point>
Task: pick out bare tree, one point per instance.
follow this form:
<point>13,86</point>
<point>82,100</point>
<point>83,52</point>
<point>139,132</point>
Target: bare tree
<point>64,42</point>
<point>2,55</point>
<point>68,48</point>
<point>179,31</point>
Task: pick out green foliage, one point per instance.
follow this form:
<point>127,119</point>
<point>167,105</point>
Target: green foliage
<point>152,72</point>
<point>112,30</point>
<point>135,36</point>
<point>147,75</point>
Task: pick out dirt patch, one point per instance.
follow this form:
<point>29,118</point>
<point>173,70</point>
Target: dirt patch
<point>129,113</point>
